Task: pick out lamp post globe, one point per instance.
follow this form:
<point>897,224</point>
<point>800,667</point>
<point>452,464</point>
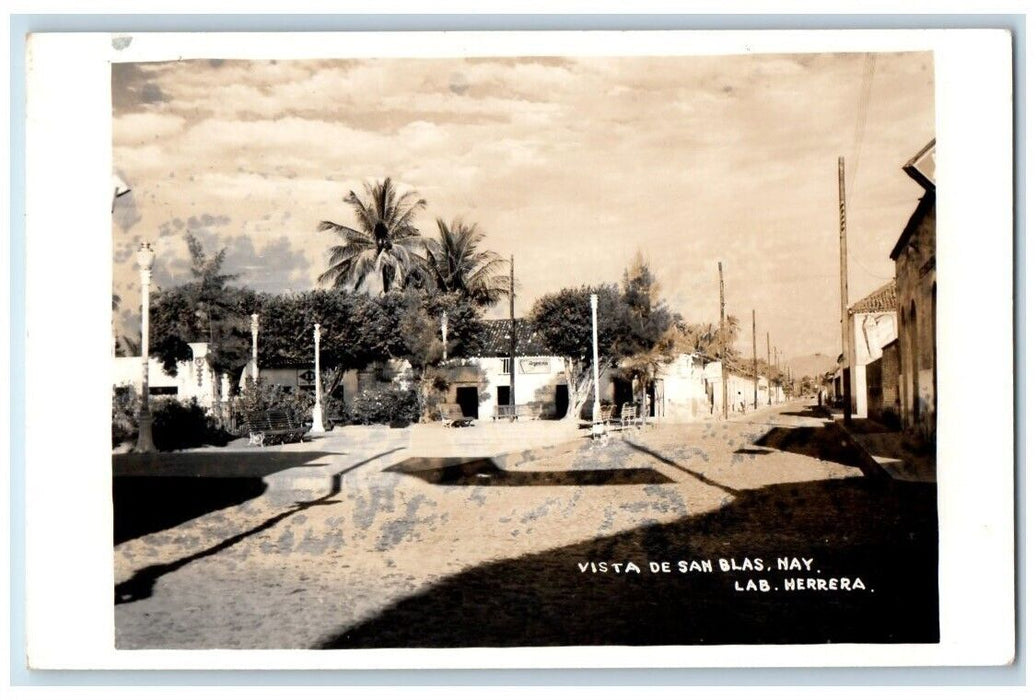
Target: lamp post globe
<point>146,261</point>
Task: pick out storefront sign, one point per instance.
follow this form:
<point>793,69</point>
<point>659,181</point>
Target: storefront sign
<point>535,365</point>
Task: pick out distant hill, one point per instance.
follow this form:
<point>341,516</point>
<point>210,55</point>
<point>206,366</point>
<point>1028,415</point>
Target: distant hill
<point>811,365</point>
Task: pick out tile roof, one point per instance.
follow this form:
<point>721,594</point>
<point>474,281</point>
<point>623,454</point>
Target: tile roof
<point>881,299</point>
<point>498,339</point>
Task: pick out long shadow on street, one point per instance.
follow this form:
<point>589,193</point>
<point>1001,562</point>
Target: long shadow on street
<point>154,492</point>
<point>828,442</point>
<point>482,471</point>
<point>142,583</point>
<point>878,538</point>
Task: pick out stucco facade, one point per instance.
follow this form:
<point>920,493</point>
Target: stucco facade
<point>193,379</point>
<point>874,325</point>
<point>540,386</point>
<point>914,255</point>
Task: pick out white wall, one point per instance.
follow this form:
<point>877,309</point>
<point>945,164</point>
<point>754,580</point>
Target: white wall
<point>683,390</point>
<point>871,332</point>
<point>534,380</point>
<point>189,382</point>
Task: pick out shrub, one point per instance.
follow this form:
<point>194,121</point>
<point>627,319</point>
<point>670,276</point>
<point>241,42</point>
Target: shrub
<point>178,426</point>
<point>261,396</point>
<point>125,404</point>
<point>389,405</point>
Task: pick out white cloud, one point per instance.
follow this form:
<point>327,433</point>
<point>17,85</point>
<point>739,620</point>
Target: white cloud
<point>570,164</point>
<point>138,128</point>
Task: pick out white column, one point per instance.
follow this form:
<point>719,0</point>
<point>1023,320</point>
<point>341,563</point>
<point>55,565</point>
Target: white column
<point>598,428</point>
<point>255,347</point>
<point>146,259</point>
<point>318,409</point>
<point>444,336</point>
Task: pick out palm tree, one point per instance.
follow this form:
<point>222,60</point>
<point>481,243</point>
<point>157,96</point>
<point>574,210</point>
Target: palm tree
<point>707,339</point>
<point>385,244</point>
<point>455,264</point>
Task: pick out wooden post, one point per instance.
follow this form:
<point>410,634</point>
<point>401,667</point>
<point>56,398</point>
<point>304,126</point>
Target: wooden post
<point>847,396</point>
<point>723,340</point>
<point>755,368</point>
<point>514,410</point>
<point>769,373</point>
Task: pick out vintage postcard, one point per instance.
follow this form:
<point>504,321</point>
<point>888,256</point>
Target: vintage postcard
<point>583,349</point>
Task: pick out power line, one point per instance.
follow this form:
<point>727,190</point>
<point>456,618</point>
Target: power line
<point>862,107</point>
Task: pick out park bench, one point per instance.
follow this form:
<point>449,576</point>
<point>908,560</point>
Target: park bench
<point>273,426</point>
<point>452,416</point>
<point>506,412</point>
<point>629,416</point>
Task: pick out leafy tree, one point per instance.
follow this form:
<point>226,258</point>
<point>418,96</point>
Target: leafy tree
<point>385,245</point>
<point>645,343</point>
<point>456,265</point>
<point>465,329</point>
<point>563,320</point>
<point>355,331</point>
<point>419,324</point>
<point>204,310</point>
<point>634,329</point>
<point>358,330</point>
<point>707,340</point>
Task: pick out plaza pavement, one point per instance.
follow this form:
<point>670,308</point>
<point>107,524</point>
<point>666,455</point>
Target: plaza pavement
<point>377,516</point>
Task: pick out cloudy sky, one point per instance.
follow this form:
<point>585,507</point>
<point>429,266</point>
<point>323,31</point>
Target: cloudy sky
<point>570,164</point>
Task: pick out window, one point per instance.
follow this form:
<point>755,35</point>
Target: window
<point>506,365</point>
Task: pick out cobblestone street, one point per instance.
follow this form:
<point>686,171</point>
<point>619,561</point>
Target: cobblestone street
<point>390,541</point>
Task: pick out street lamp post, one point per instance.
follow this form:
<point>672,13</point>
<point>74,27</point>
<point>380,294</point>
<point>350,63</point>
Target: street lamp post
<point>318,409</point>
<point>598,427</point>
<point>255,347</point>
<point>146,260</point>
<point>444,336</point>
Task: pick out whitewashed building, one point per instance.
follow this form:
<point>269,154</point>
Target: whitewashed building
<point>873,324</point>
<point>194,378</point>
<point>540,384</point>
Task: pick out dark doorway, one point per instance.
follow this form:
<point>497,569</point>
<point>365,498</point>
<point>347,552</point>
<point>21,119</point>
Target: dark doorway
<point>656,398</point>
<point>467,397</point>
<point>503,396</point>
<point>561,401</point>
<point>622,391</point>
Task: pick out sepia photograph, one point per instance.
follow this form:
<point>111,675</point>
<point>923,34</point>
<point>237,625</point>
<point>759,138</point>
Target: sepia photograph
<point>545,347</point>
<point>524,351</point>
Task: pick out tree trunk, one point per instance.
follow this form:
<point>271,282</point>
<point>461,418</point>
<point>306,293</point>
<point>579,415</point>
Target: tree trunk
<point>580,392</point>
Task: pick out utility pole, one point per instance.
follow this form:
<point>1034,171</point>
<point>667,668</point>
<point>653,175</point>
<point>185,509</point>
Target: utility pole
<point>769,372</point>
<point>755,368</point>
<point>847,395</point>
<point>723,340</point>
<point>514,411</point>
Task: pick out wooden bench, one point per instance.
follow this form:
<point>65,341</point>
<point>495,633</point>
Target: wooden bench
<point>274,426</point>
<point>505,413</point>
<point>629,416</point>
<point>452,416</point>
